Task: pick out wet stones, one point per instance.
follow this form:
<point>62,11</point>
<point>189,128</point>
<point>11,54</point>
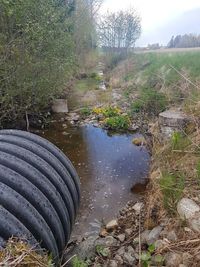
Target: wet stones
<point>139,141</point>
<point>111,225</point>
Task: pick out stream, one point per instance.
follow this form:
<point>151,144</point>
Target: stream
<point>108,166</point>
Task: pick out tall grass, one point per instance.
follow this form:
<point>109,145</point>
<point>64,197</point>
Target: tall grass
<point>188,61</point>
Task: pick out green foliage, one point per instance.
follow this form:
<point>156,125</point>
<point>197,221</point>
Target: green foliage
<point>172,187</point>
<point>76,262</point>
<point>36,54</point>
<point>198,172</point>
<point>150,101</point>
<point>40,44</point>
<point>146,257</point>
<point>95,76</point>
<point>179,60</point>
<point>111,112</point>
<point>119,122</point>
<point>179,141</point>
<point>102,251</point>
<point>85,111</point>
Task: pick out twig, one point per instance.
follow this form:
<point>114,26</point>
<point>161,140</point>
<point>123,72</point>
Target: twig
<point>27,122</point>
<point>188,80</point>
<point>140,239</point>
<point>186,151</point>
<point>68,260</point>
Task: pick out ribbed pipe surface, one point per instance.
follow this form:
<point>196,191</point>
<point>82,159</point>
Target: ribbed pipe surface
<point>39,191</point>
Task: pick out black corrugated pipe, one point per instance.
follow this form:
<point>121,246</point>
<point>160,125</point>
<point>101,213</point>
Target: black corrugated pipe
<point>39,191</point>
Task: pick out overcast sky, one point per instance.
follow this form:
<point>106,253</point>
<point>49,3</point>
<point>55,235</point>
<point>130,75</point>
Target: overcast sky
<point>154,13</point>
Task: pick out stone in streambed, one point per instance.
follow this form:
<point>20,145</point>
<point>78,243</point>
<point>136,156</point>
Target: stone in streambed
<point>139,141</point>
<point>112,225</point>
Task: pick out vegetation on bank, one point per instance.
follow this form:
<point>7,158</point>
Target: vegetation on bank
<point>42,45</point>
<point>18,253</point>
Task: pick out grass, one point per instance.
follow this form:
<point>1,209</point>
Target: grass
<point>150,101</point>
<point>85,85</point>
<point>186,60</point>
<point>18,253</point>
<point>161,72</point>
<point>179,141</point>
<point>172,186</point>
<point>119,122</point>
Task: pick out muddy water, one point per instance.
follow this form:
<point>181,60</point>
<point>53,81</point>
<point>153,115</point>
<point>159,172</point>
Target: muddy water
<point>108,166</point>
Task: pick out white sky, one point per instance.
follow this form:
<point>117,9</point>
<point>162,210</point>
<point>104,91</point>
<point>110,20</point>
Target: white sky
<point>154,13</point>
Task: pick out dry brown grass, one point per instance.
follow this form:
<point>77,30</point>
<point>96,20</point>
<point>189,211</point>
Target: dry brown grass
<point>18,253</point>
<point>182,161</point>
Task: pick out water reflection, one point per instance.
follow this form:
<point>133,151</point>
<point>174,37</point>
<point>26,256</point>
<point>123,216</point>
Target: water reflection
<point>108,166</point>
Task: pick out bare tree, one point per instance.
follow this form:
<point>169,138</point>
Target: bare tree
<point>94,6</point>
<point>119,30</point>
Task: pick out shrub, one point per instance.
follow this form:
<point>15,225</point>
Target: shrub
<point>37,55</point>
<point>76,262</point>
<point>172,187</point>
<point>111,112</point>
<point>107,112</point>
<point>119,122</point>
<point>85,111</point>
<point>95,76</point>
<point>150,101</point>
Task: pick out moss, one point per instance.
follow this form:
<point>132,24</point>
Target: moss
<point>139,141</point>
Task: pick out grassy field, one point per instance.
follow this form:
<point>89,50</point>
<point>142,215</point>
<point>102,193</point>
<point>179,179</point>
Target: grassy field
<point>169,50</point>
<point>176,75</point>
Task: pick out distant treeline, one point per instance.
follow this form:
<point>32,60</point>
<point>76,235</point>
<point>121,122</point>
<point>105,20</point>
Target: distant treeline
<point>184,41</point>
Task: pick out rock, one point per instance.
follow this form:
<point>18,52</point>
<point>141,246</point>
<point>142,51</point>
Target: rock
<point>116,96</point>
<point>103,233</point>
<point>65,133</point>
<point>121,251</point>
<point>154,235</point>
<point>187,208</point>
<point>139,141</point>
<point>112,225</point>
<point>60,106</point>
<point>171,236</point>
<point>173,259</point>
<point>74,117</point>
<point>134,127</point>
<point>121,237</point>
<point>131,250</point>
<point>119,259</point>
<point>173,118</point>
<point>160,244</point>
<point>113,263</point>
<point>128,232</point>
<point>194,223</point>
<point>144,236</point>
<point>108,241</point>
<point>129,259</point>
<point>85,249</point>
<point>138,206</point>
<point>102,86</point>
<point>171,121</point>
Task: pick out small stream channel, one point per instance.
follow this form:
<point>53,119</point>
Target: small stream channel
<point>108,166</point>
